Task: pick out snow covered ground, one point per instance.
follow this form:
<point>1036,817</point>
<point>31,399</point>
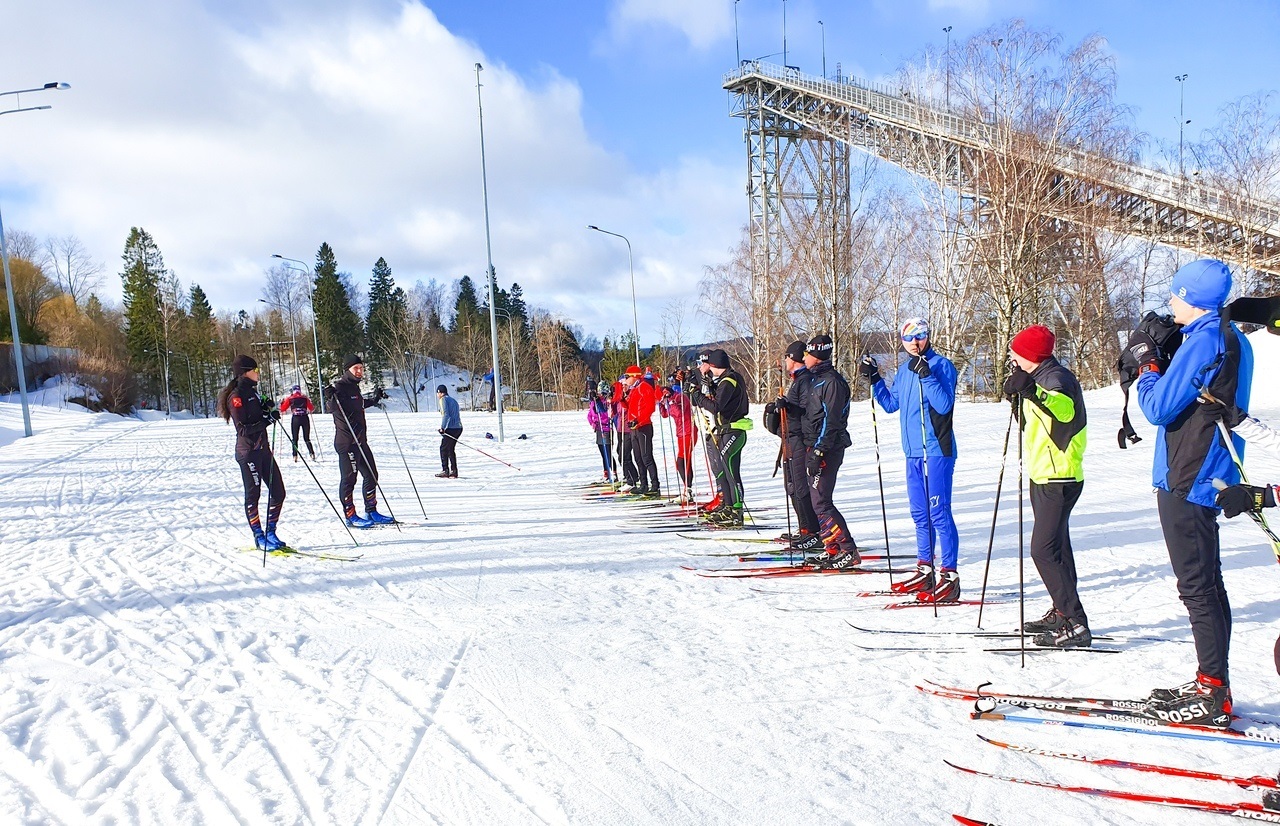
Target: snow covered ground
<point>530,658</point>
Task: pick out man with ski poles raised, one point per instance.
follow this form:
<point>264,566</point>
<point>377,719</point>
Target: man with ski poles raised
<point>723,394</point>
<point>1214,357</point>
<point>350,442</point>
<point>791,408</point>
<point>925,394</point>
<point>1052,417</point>
<point>824,428</point>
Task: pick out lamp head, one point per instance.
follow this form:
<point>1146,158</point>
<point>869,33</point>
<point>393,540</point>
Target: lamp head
<point>479,68</point>
<point>57,86</point>
<point>276,255</point>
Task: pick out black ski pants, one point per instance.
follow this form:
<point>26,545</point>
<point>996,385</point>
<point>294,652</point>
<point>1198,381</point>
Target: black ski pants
<point>796,480</point>
<point>646,465</point>
<point>302,423</point>
<point>449,450</point>
<point>254,466</point>
<point>353,458</point>
<point>1191,535</point>
<point>729,443</point>
<point>630,474</point>
<point>822,489</point>
<point>1051,505</point>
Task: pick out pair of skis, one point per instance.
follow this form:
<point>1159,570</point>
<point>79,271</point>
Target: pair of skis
<point>302,552</point>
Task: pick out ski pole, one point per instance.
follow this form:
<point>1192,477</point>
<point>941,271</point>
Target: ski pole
<point>405,461</point>
<point>1022,594</point>
<point>787,482</point>
<point>884,516</point>
<point>991,540</point>
<point>662,434</point>
<point>368,464</point>
<point>481,452</point>
<point>325,493</point>
<point>928,502</point>
<point>1258,518</point>
<point>270,478</point>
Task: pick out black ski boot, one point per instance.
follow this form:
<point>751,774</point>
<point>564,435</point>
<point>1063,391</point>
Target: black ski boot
<point>1049,623</point>
<point>1205,701</point>
<point>1070,634</point>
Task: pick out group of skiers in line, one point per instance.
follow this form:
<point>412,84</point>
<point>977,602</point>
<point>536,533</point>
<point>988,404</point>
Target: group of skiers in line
<point>240,403</point>
<point>1193,394</point>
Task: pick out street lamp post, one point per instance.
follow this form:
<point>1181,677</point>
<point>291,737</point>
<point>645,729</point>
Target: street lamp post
<point>635,319</point>
<point>8,278</point>
<point>947,29</point>
<point>1182,122</point>
<point>492,276</point>
<point>823,26</point>
<point>315,338</point>
<point>511,339</point>
<point>737,49</point>
<point>784,34</point>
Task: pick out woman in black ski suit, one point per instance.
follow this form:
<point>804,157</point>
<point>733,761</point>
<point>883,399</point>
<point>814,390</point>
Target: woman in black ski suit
<point>239,402</point>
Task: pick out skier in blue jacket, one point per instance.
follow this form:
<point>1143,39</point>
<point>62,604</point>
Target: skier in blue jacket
<point>1214,359</point>
<point>925,394</point>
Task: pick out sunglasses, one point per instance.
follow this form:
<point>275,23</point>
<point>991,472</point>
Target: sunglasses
<point>916,337</point>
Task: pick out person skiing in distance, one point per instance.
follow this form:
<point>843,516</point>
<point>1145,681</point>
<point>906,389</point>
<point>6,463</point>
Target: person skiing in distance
<point>450,432</point>
<point>240,403</point>
<point>826,435</point>
<point>675,406</point>
<point>1214,357</point>
<point>794,476</point>
<point>300,409</point>
<point>728,404</point>
<point>641,402</point>
<point>1243,498</point>
<point>350,442</point>
<point>924,394</point>
<point>1053,437</point>
<point>600,418</point>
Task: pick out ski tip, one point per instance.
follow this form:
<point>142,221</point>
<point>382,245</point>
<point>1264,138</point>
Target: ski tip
<point>968,821</point>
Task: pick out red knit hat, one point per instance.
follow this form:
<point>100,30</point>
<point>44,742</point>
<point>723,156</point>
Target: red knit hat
<point>633,370</point>
<point>1034,343</point>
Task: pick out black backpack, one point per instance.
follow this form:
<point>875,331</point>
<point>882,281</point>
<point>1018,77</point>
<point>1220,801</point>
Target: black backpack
<point>1167,334</point>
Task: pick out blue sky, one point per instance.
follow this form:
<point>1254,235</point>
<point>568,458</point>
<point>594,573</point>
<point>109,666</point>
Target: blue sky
<point>232,129</point>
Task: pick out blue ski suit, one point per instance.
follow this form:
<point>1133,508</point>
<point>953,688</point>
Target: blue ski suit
<point>930,450</point>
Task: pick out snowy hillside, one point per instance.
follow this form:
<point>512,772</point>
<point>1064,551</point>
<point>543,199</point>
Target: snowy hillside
<point>530,656</point>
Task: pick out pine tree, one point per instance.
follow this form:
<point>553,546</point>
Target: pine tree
<point>466,308</point>
<point>201,344</point>
<point>386,312</point>
<point>337,325</point>
<point>144,325</point>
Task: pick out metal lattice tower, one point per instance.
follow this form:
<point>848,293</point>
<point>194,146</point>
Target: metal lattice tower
<point>789,115</point>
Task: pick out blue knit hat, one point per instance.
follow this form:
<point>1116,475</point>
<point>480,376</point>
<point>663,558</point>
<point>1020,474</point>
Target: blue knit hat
<point>1205,284</point>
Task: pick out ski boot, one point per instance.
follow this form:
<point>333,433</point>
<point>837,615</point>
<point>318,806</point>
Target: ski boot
<point>806,542</point>
<point>842,560</point>
<point>1205,701</point>
<point>354,521</point>
<point>1070,634</point>
<point>947,589</point>
<point>260,539</point>
<point>710,507</point>
<point>444,474</point>
<point>1049,623</point>
<point>273,542</point>
<point>376,518</point>
<point>921,582</point>
<point>727,518</point>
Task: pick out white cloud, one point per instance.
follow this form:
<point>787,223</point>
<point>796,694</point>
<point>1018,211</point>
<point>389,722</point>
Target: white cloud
<point>702,22</point>
<point>230,140</point>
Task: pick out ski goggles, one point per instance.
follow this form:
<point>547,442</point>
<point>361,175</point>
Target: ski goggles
<point>921,336</point>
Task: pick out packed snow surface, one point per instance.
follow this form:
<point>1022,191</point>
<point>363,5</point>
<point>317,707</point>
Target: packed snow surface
<point>529,656</point>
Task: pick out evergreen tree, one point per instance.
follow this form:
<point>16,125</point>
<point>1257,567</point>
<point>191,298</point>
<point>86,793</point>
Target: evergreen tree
<point>386,313</point>
<point>518,310</point>
<point>144,325</point>
<point>200,345</point>
<point>337,325</point>
<point>466,307</point>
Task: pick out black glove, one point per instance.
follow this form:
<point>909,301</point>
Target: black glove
<point>270,414</point>
<point>1239,499</point>
<point>633,425</point>
<point>1143,350</point>
<point>1229,413</point>
<point>379,394</point>
<point>919,366</point>
<point>329,392</point>
<point>267,402</point>
<point>1019,383</point>
<point>814,463</point>
<point>771,408</point>
<point>440,430</point>
<point>869,369</point>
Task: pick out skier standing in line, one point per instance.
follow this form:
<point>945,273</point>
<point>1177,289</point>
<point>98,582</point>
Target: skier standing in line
<point>641,402</point>
<point>924,395</point>
<point>1216,357</point>
<point>1054,436</point>
<point>728,403</point>
<point>826,435</point>
<point>350,442</point>
<point>300,409</point>
<point>240,403</point>
<point>794,476</point>
<point>675,406</point>
<point>699,387</point>
<point>600,419</point>
<point>450,432</point>
<point>626,435</point>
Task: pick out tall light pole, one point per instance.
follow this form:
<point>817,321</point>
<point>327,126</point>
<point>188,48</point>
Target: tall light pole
<point>947,29</point>
<point>511,339</point>
<point>1182,122</point>
<point>784,34</point>
<point>737,49</point>
<point>8,278</point>
<point>315,338</point>
<point>492,276</point>
<point>635,318</point>
<point>823,26</point>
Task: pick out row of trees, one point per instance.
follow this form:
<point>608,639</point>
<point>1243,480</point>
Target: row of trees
<point>165,347</point>
<point>985,242</point>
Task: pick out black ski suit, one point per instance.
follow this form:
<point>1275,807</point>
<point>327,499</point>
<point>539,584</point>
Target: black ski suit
<point>350,442</point>
<point>728,403</point>
<point>794,450</point>
<point>253,453</point>
<point>824,429</point>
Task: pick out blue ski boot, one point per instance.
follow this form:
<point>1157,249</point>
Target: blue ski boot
<point>260,539</point>
<point>354,521</point>
<point>273,542</point>
<point>379,518</point>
